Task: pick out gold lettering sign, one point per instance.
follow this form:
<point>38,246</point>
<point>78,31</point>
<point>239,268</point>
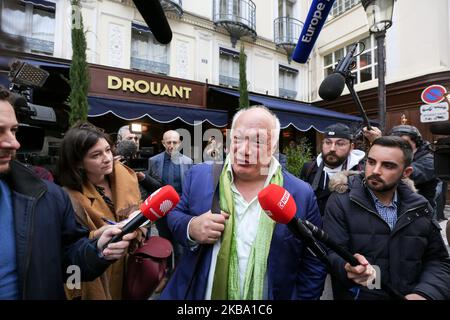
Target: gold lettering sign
<point>145,87</point>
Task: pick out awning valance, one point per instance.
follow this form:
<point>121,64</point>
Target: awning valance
<point>48,5</point>
<point>161,113</point>
<point>302,116</point>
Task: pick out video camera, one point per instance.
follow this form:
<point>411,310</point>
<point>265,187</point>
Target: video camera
<point>441,149</point>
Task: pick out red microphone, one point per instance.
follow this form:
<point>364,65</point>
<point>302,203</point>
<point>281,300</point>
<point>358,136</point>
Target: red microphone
<point>156,206</point>
<point>279,205</point>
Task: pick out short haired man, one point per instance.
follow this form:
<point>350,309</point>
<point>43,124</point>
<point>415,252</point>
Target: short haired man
<point>337,154</point>
<point>423,161</point>
<point>386,224</point>
<point>170,166</point>
<point>250,257</point>
<point>125,133</point>
<point>39,235</point>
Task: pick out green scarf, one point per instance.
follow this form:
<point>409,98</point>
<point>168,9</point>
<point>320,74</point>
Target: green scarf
<point>226,275</point>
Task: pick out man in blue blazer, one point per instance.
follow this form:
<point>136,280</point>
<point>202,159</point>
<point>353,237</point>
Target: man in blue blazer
<point>171,167</point>
<point>245,255</point>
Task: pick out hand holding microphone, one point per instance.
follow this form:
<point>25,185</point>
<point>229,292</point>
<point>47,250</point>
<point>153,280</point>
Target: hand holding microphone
<point>156,206</point>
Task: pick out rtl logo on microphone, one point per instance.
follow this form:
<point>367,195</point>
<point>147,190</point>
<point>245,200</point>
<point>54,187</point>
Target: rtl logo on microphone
<point>284,200</point>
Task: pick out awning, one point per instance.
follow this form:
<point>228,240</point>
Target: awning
<point>302,116</point>
<point>161,113</point>
<point>42,4</point>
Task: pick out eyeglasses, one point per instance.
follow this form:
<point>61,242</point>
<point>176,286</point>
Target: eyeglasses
<point>339,144</point>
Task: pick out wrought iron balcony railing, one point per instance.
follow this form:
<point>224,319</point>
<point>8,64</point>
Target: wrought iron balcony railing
<point>286,31</point>
<point>175,6</point>
<point>237,17</point>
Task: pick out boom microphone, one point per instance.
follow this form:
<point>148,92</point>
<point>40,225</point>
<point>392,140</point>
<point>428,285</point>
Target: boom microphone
<point>333,85</point>
<point>279,205</point>
<point>127,148</point>
<point>156,206</point>
<point>156,20</point>
<point>314,22</point>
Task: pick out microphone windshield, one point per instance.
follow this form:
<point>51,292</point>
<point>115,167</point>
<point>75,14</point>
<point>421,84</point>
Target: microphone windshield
<point>159,203</point>
<point>332,87</point>
<point>155,18</point>
<point>278,203</point>
<point>127,148</point>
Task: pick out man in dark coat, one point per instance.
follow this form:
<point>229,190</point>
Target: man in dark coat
<point>389,228</point>
<point>41,243</point>
<point>337,154</point>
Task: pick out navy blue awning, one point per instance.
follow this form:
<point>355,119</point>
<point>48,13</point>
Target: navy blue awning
<point>161,113</point>
<point>302,116</point>
<point>42,4</point>
<point>140,27</point>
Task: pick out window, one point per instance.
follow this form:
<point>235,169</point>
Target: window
<point>340,6</point>
<point>229,68</point>
<point>147,54</point>
<point>33,21</point>
<point>287,82</point>
<point>366,62</point>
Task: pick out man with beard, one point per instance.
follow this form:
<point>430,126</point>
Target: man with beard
<point>337,154</point>
<point>389,228</point>
<point>39,235</point>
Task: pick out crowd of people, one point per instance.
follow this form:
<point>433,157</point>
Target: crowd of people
<point>379,204</point>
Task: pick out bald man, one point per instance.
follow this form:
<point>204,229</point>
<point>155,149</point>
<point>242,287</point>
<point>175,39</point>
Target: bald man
<point>170,166</point>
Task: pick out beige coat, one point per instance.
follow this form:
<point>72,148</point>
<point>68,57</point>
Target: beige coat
<point>90,208</point>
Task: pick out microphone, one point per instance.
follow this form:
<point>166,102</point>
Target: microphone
<point>156,206</point>
<point>314,22</point>
<point>333,85</point>
<point>155,18</point>
<point>279,205</point>
<point>127,148</point>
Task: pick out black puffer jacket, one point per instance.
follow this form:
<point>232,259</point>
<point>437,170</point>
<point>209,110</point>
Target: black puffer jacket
<point>423,174</point>
<point>412,258</point>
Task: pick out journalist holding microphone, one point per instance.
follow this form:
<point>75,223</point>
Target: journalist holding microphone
<point>240,253</point>
<point>39,234</point>
<point>103,192</point>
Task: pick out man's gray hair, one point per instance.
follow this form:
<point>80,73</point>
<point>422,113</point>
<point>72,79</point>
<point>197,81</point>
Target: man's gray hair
<point>123,130</point>
<point>276,122</point>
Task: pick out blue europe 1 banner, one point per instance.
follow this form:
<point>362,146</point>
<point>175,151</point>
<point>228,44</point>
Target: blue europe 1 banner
<point>317,15</point>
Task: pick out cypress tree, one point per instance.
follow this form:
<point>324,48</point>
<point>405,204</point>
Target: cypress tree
<point>79,72</point>
<point>243,92</point>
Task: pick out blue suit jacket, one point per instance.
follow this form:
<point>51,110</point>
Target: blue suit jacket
<point>156,164</point>
<point>293,273</point>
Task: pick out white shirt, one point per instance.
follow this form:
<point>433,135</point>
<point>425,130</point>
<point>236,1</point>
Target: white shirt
<point>247,221</point>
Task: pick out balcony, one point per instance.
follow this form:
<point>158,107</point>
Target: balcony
<point>228,81</point>
<point>286,93</point>
<point>237,17</point>
<point>286,31</point>
<point>175,6</point>
<point>149,66</point>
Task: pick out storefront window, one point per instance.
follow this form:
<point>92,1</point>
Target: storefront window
<point>229,68</point>
<point>366,63</point>
<point>147,54</point>
<point>287,82</point>
<point>36,27</point>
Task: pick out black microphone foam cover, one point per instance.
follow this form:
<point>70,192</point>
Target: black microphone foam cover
<point>440,128</point>
<point>127,148</point>
<point>332,86</point>
<point>153,14</point>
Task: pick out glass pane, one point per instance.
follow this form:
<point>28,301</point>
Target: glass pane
<point>376,72</point>
<point>365,59</point>
<point>367,44</point>
<point>328,71</point>
<point>366,74</point>
<point>12,12</point>
<point>376,55</point>
<point>43,25</point>
<point>328,59</point>
<point>338,54</point>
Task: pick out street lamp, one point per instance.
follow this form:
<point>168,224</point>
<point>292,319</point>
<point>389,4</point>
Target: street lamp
<point>379,17</point>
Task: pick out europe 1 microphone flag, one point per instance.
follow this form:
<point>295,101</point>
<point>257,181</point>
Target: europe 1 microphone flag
<point>156,206</point>
<point>279,205</point>
<point>317,15</point>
